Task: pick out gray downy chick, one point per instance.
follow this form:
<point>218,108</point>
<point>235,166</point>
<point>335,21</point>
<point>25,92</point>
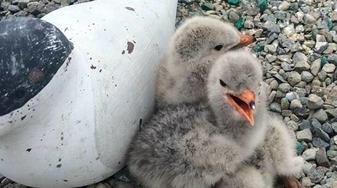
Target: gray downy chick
<point>196,145</point>
<point>194,47</point>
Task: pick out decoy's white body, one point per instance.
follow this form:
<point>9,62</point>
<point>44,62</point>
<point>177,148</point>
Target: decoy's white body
<point>83,120</point>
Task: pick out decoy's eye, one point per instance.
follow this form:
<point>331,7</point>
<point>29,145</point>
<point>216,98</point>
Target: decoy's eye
<point>218,47</point>
<point>222,83</point>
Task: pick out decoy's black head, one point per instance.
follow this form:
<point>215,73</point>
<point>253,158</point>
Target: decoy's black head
<point>31,52</point>
<point>233,86</point>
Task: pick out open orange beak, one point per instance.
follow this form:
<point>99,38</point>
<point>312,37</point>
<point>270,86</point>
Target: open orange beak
<point>244,104</point>
<point>245,40</point>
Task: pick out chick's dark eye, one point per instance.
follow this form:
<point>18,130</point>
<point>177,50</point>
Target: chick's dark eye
<point>218,47</point>
<point>222,83</point>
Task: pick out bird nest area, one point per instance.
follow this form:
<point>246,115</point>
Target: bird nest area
<point>296,44</point>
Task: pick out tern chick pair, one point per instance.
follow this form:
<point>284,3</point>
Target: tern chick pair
<point>212,128</point>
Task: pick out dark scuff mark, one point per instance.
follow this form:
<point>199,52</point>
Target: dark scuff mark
<point>1,159</point>
<point>29,149</point>
<point>134,41</point>
<point>65,180</point>
<point>62,137</point>
<point>93,67</point>
<point>23,117</point>
<point>58,166</point>
<point>60,159</point>
<point>130,8</point>
<point>65,29</point>
<point>123,52</point>
<point>131,47</point>
<point>100,70</point>
<point>140,125</point>
<point>35,75</point>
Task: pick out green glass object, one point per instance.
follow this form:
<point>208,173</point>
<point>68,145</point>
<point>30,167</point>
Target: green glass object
<point>258,47</point>
<point>239,23</point>
<point>262,4</point>
<point>233,2</point>
<point>206,6</point>
<point>299,148</point>
<point>324,60</point>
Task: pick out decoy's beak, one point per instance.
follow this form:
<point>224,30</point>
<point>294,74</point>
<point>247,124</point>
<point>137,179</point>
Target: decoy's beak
<point>245,40</point>
<point>244,104</point>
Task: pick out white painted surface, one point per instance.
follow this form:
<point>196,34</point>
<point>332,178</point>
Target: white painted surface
<point>86,116</point>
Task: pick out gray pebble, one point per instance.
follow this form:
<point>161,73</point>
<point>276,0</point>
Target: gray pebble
<point>320,115</point>
<point>314,102</point>
<point>304,135</point>
<point>317,174</point>
<point>309,154</point>
<point>296,103</point>
<point>321,158</point>
<point>307,76</point>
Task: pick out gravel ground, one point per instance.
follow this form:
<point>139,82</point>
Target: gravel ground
<point>296,45</point>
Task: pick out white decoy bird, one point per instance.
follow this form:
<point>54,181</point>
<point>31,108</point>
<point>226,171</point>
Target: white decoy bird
<point>74,87</point>
<point>196,145</point>
<point>194,47</point>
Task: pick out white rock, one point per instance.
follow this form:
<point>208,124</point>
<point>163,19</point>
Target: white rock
<point>329,68</point>
<point>304,135</point>
<point>309,154</point>
<point>284,5</point>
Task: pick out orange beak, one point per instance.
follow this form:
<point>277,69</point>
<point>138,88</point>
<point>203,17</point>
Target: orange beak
<point>244,104</point>
<point>245,40</point>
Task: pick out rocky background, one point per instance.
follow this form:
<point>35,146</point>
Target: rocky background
<point>296,43</point>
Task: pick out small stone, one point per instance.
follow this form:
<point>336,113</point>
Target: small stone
<point>13,8</point>
<point>318,142</point>
<point>296,103</point>
<point>271,27</point>
<point>304,135</point>
<point>320,115</point>
<point>334,127</point>
<point>284,87</point>
<point>326,127</point>
<point>291,96</point>
<point>306,182</point>
<point>284,104</point>
<point>321,158</point>
<point>309,154</point>
<point>315,102</point>
<point>329,68</point>
<point>317,174</point>
<point>275,107</point>
<point>305,124</point>
<point>332,112</point>
<point>249,24</point>
<point>284,5</point>
<point>300,61</point>
<point>307,76</point>
<point>294,78</point>
<point>315,67</point>
<point>318,132</point>
<point>309,19</point>
<point>233,16</point>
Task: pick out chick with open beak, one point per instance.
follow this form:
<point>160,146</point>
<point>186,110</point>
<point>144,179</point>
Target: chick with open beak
<point>237,75</point>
